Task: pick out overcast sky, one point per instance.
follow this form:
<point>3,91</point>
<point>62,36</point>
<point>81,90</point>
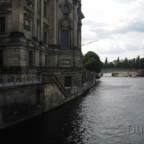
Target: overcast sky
<point>118,25</point>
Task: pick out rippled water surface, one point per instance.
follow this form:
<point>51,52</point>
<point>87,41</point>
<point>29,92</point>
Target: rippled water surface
<point>111,113</point>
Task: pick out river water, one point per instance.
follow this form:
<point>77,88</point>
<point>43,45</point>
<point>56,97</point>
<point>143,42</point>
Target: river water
<point>111,113</point>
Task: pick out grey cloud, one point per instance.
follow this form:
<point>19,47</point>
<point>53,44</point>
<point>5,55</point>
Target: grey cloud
<point>101,32</point>
<point>137,26</point>
<point>130,47</point>
<point>124,1</point>
<point>93,23</point>
<point>118,50</point>
<point>113,50</point>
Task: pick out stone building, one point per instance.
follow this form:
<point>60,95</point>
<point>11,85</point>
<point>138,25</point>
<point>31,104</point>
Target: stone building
<point>41,64</point>
<point>40,35</point>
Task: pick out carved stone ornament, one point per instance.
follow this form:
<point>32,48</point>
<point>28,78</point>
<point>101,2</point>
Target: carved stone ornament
<point>66,8</point>
<point>65,23</point>
<point>75,1</point>
<point>28,15</point>
<point>3,9</point>
<point>3,42</point>
<point>27,20</point>
<point>31,43</point>
<point>80,14</point>
<point>16,34</point>
<point>79,24</point>
<point>29,2</point>
<point>46,27</point>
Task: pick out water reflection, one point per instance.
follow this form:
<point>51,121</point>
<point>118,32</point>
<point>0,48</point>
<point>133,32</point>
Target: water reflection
<point>110,113</point>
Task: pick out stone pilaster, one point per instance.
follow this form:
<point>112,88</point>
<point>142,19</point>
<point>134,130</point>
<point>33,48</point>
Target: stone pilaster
<point>17,15</point>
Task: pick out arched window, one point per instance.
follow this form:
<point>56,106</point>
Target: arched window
<point>2,24</point>
<point>64,39</point>
<point>66,10</point>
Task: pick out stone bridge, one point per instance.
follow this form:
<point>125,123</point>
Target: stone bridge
<point>114,70</point>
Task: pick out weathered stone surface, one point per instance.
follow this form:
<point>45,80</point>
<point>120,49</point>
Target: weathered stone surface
<point>32,45</point>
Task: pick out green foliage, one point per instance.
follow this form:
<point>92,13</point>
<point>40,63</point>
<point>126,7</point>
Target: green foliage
<point>141,63</point>
<point>92,62</point>
<point>136,63</point>
<point>108,65</point>
<point>118,60</point>
<point>106,61</point>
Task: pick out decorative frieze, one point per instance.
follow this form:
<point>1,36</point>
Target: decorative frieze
<point>65,23</point>
<point>66,8</point>
<point>28,17</point>
<point>5,9</point>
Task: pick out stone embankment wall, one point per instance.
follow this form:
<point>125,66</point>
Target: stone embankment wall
<point>20,102</point>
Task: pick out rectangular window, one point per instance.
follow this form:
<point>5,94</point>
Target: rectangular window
<point>39,5</point>
<point>64,39</point>
<point>45,9</point>
<point>68,81</point>
<point>30,58</point>
<point>2,24</point>
<point>45,37</point>
<point>45,60</point>
<point>1,57</point>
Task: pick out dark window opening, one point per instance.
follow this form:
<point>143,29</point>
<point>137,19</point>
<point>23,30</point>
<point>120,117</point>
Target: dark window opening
<point>66,10</point>
<point>45,37</point>
<point>46,60</point>
<point>30,58</point>
<point>64,39</point>
<point>45,9</point>
<point>68,81</point>
<point>2,24</point>
<point>38,97</point>
<point>1,57</point>
<point>39,5</point>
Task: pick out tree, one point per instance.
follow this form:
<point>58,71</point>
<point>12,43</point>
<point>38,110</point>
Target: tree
<point>141,63</point>
<point>111,65</point>
<point>125,63</point>
<point>118,60</point>
<point>92,62</point>
<point>105,65</point>
<point>119,65</point>
<point>137,62</point>
<point>106,61</point>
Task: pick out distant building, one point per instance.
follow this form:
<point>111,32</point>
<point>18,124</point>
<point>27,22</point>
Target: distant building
<point>115,62</point>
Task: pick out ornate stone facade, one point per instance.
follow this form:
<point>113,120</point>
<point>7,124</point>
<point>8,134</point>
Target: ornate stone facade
<point>41,65</point>
<point>37,36</point>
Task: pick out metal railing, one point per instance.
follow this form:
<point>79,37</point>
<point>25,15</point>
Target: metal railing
<point>6,81</point>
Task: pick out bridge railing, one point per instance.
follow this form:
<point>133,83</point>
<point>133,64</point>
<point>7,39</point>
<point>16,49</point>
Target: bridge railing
<point>6,81</point>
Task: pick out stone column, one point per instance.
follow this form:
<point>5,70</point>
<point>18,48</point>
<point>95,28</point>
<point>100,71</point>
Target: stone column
<point>53,25</point>
<point>75,25</point>
<point>17,15</point>
<point>35,18</point>
<point>42,18</point>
